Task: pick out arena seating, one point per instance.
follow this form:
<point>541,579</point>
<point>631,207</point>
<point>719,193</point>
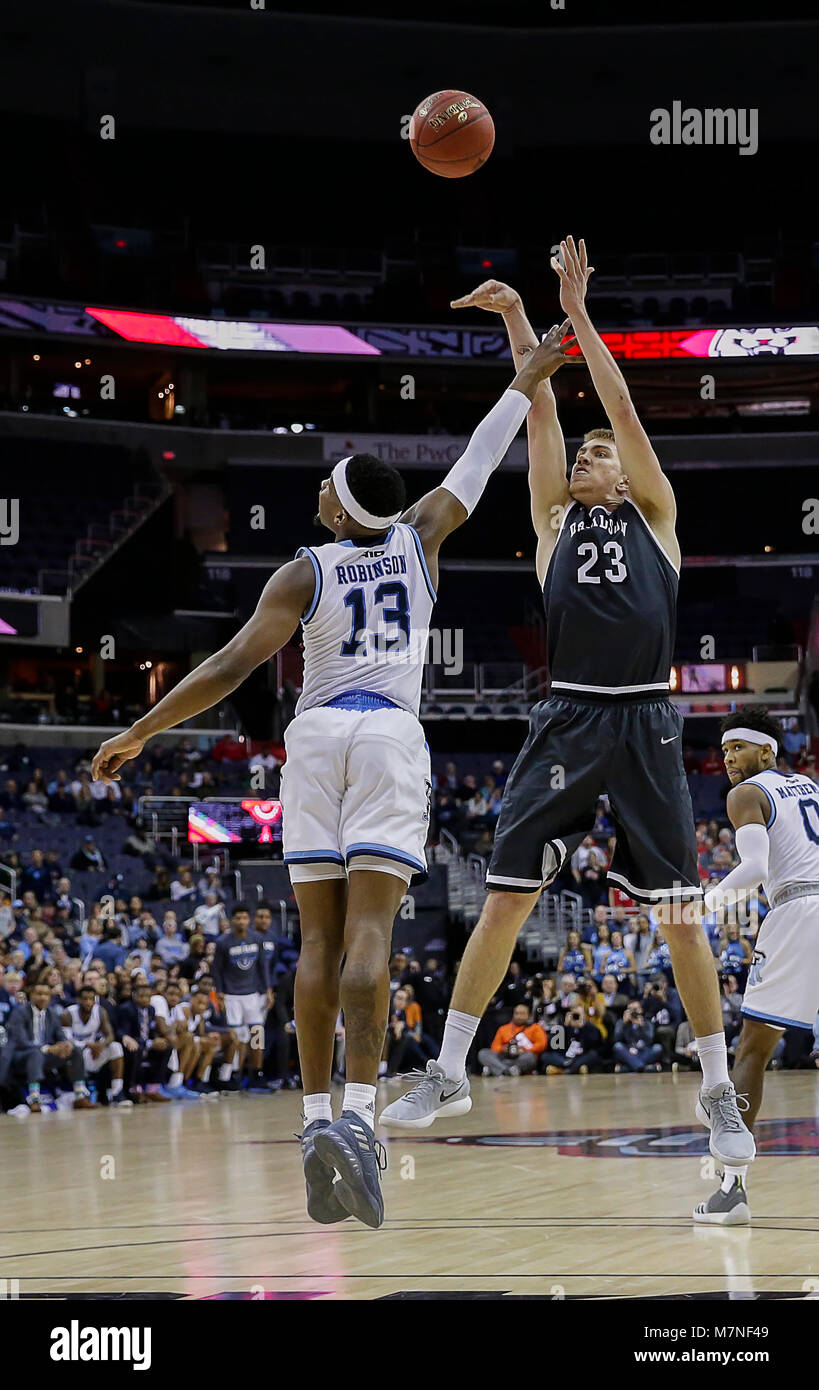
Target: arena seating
<point>69,496</point>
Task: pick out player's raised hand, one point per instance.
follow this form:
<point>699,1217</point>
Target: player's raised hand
<point>553,341</point>
<point>113,753</point>
<point>573,271</point>
<point>492,295</point>
<point>544,360</point>
<point>552,351</point>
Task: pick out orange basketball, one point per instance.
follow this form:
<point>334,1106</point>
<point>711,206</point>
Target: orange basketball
<point>451,134</point>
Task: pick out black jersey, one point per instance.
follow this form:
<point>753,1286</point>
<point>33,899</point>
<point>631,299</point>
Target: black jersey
<point>611,598</point>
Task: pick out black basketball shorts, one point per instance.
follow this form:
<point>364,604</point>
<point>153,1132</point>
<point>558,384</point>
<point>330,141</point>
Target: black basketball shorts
<point>575,751</point>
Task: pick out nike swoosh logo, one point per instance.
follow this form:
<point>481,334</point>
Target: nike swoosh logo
<point>444,1095</point>
<point>669,740</point>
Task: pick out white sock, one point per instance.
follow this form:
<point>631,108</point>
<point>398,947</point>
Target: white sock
<point>382,1068</point>
<point>731,1174</point>
<point>459,1032</point>
<point>713,1060</point>
<point>116,1086</point>
<point>317,1107</point>
<point>361,1100</point>
<point>176,1079</point>
<point>226,1071</point>
<point>206,1074</point>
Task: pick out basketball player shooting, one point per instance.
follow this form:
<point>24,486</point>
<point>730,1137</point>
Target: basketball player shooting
<point>356,784</point>
<point>776,818</point>
<point>608,562</point>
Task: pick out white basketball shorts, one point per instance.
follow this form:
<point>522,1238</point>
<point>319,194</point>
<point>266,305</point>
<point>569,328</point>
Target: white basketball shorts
<point>109,1054</point>
<point>243,1012</point>
<point>783,981</point>
<point>355,792</point>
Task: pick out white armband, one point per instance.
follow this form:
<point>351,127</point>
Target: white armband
<point>753,847</point>
<point>468,477</point>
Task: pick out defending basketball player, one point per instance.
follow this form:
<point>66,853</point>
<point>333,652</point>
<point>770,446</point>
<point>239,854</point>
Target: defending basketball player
<point>776,818</point>
<point>608,561</point>
<point>356,784</point>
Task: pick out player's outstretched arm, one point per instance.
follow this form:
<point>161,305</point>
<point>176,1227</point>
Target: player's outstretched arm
<point>548,486</point>
<point>498,298</point>
<point>283,601</point>
<point>747,810</point>
<point>648,484</point>
<point>447,507</point>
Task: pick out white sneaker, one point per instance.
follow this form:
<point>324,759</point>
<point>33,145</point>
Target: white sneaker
<point>433,1095</point>
<point>718,1109</point>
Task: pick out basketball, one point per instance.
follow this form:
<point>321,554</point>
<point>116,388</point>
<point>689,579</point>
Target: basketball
<point>451,134</point>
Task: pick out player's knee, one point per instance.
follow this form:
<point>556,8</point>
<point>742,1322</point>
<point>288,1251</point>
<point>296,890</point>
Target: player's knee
<point>317,951</point>
<point>368,939</point>
<point>361,980</point>
<point>685,935</point>
<point>503,909</point>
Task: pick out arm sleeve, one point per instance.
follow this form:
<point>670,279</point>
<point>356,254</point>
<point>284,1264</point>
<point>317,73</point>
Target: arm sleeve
<point>468,477</point>
<point>753,847</point>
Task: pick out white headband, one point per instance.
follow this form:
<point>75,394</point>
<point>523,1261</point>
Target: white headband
<point>751,736</point>
<point>352,508</point>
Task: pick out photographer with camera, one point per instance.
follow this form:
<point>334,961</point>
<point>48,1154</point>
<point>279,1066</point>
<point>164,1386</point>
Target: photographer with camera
<point>516,1047</point>
<point>634,1046</point>
<point>574,1046</point>
<point>663,1010</point>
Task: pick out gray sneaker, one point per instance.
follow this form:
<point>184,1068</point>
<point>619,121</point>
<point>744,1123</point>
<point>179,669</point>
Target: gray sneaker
<point>725,1208</point>
<point>433,1095</point>
<point>718,1108</point>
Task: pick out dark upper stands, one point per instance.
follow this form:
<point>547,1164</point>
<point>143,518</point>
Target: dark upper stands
<point>63,490</point>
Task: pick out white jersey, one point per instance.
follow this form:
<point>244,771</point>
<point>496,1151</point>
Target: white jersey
<point>793,829</point>
<point>81,1033</point>
<point>367,625</point>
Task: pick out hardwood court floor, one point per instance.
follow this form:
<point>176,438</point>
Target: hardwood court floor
<point>557,1186</point>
